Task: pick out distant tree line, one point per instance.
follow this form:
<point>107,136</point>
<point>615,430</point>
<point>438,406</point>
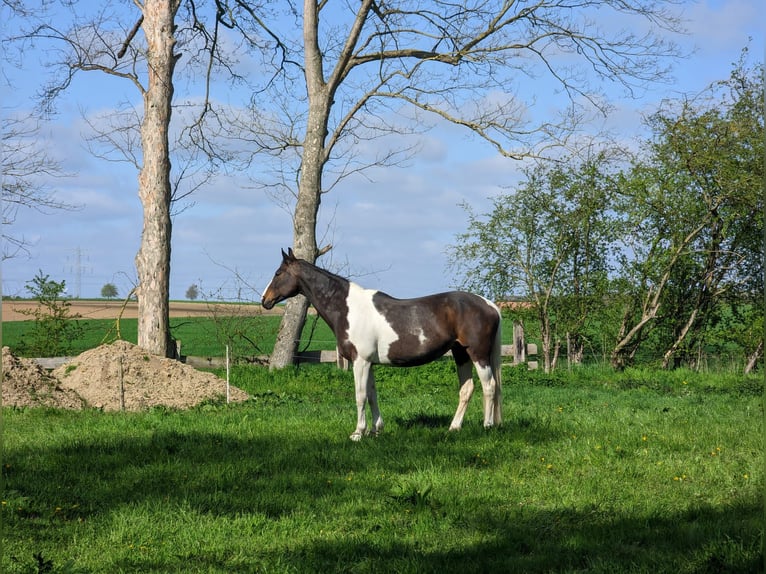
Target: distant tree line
<point>658,255</point>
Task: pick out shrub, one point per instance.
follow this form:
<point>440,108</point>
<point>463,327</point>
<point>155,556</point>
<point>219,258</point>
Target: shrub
<point>54,328</point>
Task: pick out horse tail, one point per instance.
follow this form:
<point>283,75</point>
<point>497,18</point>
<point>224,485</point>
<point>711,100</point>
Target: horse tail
<point>496,360</point>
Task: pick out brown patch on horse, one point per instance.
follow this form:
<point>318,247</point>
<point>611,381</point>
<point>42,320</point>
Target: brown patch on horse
<point>466,321</point>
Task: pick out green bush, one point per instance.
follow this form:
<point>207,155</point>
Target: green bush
<point>54,329</point>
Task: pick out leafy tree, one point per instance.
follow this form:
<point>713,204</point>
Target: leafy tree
<point>548,242</point>
<point>192,292</point>
<point>55,327</point>
<point>109,291</point>
<point>694,205</point>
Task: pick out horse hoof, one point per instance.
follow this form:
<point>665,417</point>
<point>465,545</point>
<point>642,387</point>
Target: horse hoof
<point>356,436</point>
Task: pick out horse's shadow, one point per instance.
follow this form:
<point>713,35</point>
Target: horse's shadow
<point>424,420</point>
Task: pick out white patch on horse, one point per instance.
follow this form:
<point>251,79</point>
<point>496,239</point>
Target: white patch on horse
<point>492,304</point>
<point>267,287</point>
<point>422,336</point>
<point>368,330</point>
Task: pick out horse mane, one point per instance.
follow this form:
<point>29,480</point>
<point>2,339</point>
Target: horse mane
<point>329,276</point>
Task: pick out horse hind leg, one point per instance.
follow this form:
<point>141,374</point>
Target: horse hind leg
<point>465,380</point>
<point>491,391</point>
<point>489,369</point>
<point>496,361</point>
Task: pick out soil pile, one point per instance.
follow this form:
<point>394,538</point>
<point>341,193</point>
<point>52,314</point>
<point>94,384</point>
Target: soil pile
<point>108,377</point>
<point>27,384</point>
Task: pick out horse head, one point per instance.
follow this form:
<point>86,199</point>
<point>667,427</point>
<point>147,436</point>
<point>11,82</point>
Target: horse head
<point>284,284</point>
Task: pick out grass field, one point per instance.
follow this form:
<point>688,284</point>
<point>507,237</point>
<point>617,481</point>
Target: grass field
<point>592,472</point>
<point>199,336</point>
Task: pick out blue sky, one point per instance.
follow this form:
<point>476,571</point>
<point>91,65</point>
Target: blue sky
<point>389,232</point>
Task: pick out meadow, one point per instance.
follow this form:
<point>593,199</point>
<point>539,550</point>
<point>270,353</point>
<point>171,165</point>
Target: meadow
<point>592,471</point>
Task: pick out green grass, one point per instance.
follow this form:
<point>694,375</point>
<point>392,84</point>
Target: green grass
<point>591,472</point>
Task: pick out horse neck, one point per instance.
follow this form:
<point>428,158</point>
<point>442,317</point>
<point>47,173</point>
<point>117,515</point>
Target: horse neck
<point>324,290</point>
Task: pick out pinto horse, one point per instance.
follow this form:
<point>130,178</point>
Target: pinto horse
<point>374,328</point>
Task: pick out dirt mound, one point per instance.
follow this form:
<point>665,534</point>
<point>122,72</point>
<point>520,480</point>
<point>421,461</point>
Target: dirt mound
<point>124,373</point>
<point>107,377</point>
<point>27,384</point>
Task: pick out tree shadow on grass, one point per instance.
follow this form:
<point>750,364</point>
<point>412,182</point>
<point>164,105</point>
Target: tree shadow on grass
<point>704,541</point>
<point>273,475</point>
<point>424,420</point>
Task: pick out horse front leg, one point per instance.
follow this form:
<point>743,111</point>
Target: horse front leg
<point>362,370</point>
<point>372,398</point>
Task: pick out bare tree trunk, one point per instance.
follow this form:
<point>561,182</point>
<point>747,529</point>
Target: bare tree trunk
<point>651,305</point>
<point>519,343</point>
<point>313,160</point>
<point>556,351</point>
<point>153,258</point>
<point>305,247</point>
<point>545,337</point>
<point>753,359</point>
<point>679,340</point>
<point>286,345</point>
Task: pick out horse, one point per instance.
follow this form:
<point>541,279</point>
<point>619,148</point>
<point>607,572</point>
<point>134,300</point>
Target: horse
<point>372,327</point>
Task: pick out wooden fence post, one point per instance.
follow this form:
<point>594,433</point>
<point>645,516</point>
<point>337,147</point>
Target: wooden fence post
<point>340,361</point>
<point>519,348</point>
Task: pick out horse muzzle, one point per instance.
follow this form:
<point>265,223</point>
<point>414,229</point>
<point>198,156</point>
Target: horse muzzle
<point>268,303</point>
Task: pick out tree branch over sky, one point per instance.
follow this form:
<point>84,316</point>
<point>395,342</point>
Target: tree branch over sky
<point>375,70</point>
<point>24,166</point>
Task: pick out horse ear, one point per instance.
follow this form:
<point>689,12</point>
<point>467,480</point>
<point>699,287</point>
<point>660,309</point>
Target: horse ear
<point>289,256</point>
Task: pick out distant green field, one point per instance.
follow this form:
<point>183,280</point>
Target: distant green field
<point>203,337</point>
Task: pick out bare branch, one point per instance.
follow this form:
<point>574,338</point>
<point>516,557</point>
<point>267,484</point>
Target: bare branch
<point>26,168</point>
<point>131,35</point>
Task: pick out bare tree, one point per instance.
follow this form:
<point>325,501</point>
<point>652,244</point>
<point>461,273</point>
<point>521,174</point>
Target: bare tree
<point>372,68</point>
<point>153,258</point>
<point>102,44</point>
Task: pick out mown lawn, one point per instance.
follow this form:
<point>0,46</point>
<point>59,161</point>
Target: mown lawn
<point>591,472</point>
